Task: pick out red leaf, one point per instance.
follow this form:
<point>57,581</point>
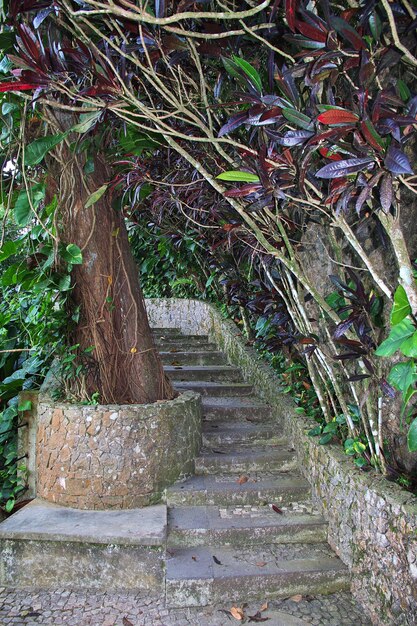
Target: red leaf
<point>337,116</point>
<point>244,190</point>
<point>276,509</point>
<point>310,31</point>
<point>290,7</point>
<point>325,152</point>
<point>16,86</point>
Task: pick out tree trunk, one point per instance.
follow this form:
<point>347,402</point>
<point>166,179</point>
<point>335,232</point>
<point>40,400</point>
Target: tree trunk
<point>124,367</point>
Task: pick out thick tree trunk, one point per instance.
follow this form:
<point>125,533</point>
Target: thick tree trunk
<point>124,366</point>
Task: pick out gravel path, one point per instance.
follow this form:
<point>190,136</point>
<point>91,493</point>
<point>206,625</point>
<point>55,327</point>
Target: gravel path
<point>69,608</point>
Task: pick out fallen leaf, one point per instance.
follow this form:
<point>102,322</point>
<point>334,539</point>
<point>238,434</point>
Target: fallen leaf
<point>297,598</point>
<point>276,509</point>
<point>194,558</point>
<point>261,564</point>
<point>242,480</point>
<point>264,607</point>
<point>127,622</point>
<point>237,613</point>
<point>216,560</point>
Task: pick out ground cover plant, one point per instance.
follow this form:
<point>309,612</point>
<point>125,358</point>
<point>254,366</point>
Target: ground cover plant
<point>283,133</point>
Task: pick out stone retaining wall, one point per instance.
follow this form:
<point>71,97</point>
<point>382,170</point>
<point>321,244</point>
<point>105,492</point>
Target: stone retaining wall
<point>104,457</point>
<point>372,523</point>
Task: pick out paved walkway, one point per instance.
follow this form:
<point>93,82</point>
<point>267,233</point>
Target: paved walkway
<point>66,608</point>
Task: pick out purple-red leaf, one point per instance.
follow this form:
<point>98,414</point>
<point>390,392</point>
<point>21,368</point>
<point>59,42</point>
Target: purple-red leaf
<point>397,162</point>
<point>294,137</point>
<point>244,190</point>
<point>337,169</point>
<point>234,122</point>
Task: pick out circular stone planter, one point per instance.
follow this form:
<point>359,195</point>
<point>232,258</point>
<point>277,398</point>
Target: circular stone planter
<point>105,457</point>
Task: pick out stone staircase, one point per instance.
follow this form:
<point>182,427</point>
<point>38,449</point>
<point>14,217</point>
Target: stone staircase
<point>244,525</point>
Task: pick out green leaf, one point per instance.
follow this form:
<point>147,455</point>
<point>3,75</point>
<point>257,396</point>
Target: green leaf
<point>64,283</point>
<point>25,406</point>
<point>87,121</point>
<point>9,505</point>
<point>403,90</point>
<point>239,176</point>
<point>409,346</point>
<point>250,72</point>
<point>314,432</point>
<point>375,25</point>
<point>325,439</point>
<point>36,151</point>
<point>396,338</point>
<point>401,307</point>
<point>331,428</point>
<point>8,249</point>
<point>402,375</point>
<point>22,208</point>
<point>5,65</point>
<point>72,254</point>
<point>360,462</point>
<point>297,118</point>
<point>412,436</point>
<point>95,197</point>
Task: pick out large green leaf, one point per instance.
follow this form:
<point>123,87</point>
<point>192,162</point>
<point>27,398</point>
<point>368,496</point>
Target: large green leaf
<point>250,72</point>
<point>8,249</point>
<point>239,176</point>
<point>396,338</point>
<point>72,254</point>
<point>401,307</point>
<point>37,150</point>
<point>402,375</point>
<point>87,121</point>
<point>96,195</point>
<point>409,346</point>
<point>22,208</point>
<point>412,436</point>
<point>297,118</point>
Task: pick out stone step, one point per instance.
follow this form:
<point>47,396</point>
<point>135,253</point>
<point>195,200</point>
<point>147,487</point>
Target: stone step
<point>229,490</point>
<point>160,330</point>
<point>241,526</point>
<point>199,576</point>
<point>184,346</point>
<point>221,433</point>
<point>245,459</point>
<point>214,389</point>
<point>55,547</point>
<point>209,357</point>
<point>213,373</point>
<point>175,338</point>
<point>233,408</point>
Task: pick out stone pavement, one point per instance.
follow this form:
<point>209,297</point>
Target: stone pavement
<point>69,608</point>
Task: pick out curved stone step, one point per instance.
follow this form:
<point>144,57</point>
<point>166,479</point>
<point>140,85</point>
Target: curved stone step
<point>246,459</point>
<point>200,357</point>
<point>231,407</point>
<point>213,373</point>
<point>226,490</point>
<point>241,526</point>
<point>205,575</point>
<point>167,345</point>
<point>221,432</point>
<point>214,389</point>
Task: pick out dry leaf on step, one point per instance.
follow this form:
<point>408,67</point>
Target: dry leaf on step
<point>127,622</point>
<point>261,563</point>
<point>242,480</point>
<point>237,613</point>
<point>297,598</point>
<point>264,607</point>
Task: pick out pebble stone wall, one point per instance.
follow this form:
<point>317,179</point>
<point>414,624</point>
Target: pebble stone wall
<point>372,523</point>
<point>104,457</point>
